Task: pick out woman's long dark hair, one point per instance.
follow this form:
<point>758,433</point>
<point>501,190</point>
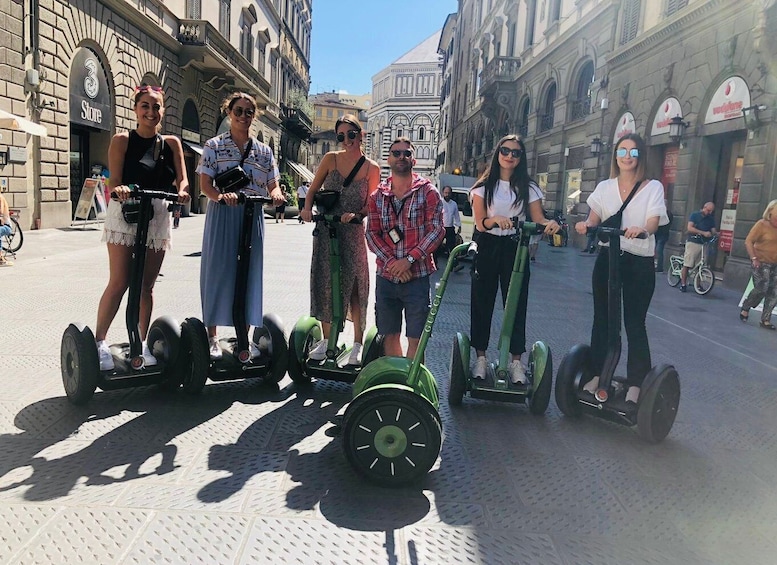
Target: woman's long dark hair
<point>519,180</point>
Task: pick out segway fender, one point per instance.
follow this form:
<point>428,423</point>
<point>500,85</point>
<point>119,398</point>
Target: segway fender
<point>464,350</point>
<point>396,371</point>
<point>369,337</point>
<point>541,355</point>
<point>304,326</point>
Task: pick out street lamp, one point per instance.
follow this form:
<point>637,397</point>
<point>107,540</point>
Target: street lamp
<point>596,146</point>
<point>676,128</point>
<point>752,119</point>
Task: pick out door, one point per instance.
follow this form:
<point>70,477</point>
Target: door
<point>79,164</point>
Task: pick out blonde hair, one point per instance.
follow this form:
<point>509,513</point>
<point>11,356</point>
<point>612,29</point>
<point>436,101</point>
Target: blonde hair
<point>769,209</point>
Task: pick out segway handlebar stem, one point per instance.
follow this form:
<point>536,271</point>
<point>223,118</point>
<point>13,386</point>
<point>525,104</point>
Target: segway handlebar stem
<point>602,230</point>
<point>530,227</point>
<point>154,194</point>
<point>242,198</point>
<point>334,219</point>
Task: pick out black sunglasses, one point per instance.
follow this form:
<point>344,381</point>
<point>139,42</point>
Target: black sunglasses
<point>352,134</point>
<point>402,152</point>
<point>238,111</point>
<point>505,151</point>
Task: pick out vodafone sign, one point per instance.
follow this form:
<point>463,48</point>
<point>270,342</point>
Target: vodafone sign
<point>727,102</point>
<point>669,109</point>
<point>626,126</point>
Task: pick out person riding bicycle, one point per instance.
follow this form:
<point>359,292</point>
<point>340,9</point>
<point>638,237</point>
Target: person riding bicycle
<point>701,225</point>
<point>5,228</point>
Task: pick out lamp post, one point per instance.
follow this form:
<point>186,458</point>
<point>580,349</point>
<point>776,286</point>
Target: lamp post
<point>676,129</point>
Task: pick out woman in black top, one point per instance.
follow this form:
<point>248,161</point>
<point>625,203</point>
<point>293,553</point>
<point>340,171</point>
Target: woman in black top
<point>132,160</point>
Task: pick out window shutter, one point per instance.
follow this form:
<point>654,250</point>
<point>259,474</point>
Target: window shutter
<point>630,20</point>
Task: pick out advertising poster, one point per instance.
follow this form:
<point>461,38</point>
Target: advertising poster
<point>727,221</point>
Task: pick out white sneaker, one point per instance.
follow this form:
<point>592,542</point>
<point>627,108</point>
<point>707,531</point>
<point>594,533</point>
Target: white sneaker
<point>591,385</point>
<point>105,356</point>
<point>632,395</point>
<point>254,350</point>
<point>215,348</point>
<point>518,373</point>
<point>480,368</point>
<point>353,359</point>
<point>148,357</point>
<point>318,353</point>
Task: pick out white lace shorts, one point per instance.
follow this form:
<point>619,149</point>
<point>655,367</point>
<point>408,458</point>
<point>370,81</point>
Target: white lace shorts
<point>117,231</point>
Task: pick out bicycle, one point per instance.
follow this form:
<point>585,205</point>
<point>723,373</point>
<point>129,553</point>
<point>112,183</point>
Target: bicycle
<point>701,275</point>
<point>12,243</point>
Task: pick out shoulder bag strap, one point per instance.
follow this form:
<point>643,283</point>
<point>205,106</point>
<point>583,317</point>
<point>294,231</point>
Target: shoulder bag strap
<point>631,195</point>
<point>353,172</point>
<point>247,151</point>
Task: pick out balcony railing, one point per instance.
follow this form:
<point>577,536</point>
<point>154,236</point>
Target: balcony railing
<point>499,69</point>
<point>297,121</point>
<point>546,122</point>
<point>580,109</point>
<point>523,130</point>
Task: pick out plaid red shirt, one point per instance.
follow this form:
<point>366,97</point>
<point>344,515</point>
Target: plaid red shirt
<point>418,215</point>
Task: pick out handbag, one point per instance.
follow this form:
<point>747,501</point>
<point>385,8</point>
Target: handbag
<point>616,219</point>
<point>234,178</point>
<point>326,199</point>
<point>130,209</point>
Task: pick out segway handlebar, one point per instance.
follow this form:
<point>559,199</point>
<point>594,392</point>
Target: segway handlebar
<point>472,250</point>
<point>604,230</point>
<point>531,227</point>
<point>334,219</point>
<point>242,198</point>
<point>136,191</point>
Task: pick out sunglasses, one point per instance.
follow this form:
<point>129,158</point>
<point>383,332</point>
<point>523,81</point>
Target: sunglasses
<point>402,153</point>
<point>238,111</point>
<point>621,153</point>
<point>148,87</point>
<point>505,151</point>
<point>352,134</point>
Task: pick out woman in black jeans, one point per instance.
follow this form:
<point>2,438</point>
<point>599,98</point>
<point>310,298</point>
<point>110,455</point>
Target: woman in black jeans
<point>504,191</point>
<point>642,215</point>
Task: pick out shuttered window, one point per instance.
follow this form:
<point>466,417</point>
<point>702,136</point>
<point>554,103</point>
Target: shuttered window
<point>194,9</point>
<point>673,6</point>
<point>630,20</point>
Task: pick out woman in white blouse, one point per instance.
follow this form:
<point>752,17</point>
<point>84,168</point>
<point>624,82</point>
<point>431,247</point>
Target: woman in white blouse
<point>505,190</point>
<point>642,215</point>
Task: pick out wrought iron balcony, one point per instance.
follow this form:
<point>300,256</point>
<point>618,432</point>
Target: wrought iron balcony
<point>499,69</point>
<point>546,122</point>
<point>580,109</point>
<point>523,130</point>
<point>296,121</point>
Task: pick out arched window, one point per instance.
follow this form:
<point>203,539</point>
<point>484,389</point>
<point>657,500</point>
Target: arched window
<point>581,104</point>
<point>421,133</point>
<point>546,120</point>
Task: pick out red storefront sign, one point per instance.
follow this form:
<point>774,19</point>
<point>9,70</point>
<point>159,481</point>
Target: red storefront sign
<point>727,221</point>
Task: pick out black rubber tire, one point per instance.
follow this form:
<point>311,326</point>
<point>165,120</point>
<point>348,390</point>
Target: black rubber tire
<point>540,399</point>
<point>362,425</point>
<point>12,243</point>
<point>577,361</point>
<point>295,364</point>
<point>672,278</point>
<point>658,403</point>
<point>704,281</point>
<point>79,364</point>
<point>164,338</point>
<point>375,351</point>
<point>194,357</point>
<point>272,326</point>
<point>458,383</point>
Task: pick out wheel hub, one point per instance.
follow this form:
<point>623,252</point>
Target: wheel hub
<point>390,441</point>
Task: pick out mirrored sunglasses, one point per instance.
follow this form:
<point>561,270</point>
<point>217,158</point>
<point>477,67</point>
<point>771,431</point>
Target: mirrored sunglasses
<point>621,153</point>
<point>238,111</point>
<point>147,88</point>
<point>505,151</point>
<point>352,134</point>
<point>402,153</point>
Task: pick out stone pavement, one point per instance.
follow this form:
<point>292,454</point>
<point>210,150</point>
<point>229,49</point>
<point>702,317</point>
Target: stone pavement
<point>245,474</point>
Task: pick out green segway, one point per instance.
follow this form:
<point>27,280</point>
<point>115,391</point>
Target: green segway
<point>392,432</point>
<point>497,385</point>
<point>307,331</point>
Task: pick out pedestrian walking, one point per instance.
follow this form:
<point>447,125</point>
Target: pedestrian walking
<point>302,192</point>
<point>280,209</point>
<point>701,226</point>
<point>761,244</point>
<point>451,220</point>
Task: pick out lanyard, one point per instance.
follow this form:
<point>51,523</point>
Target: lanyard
<point>398,213</point>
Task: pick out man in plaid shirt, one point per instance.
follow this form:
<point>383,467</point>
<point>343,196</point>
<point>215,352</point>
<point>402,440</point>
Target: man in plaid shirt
<point>405,227</point>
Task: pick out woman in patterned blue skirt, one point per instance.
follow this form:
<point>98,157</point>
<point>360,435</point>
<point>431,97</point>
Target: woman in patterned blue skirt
<point>223,224</point>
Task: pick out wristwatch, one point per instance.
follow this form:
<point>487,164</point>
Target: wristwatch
<point>410,259</point>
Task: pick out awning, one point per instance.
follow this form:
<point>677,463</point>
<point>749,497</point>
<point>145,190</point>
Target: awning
<point>194,147</point>
<point>302,170</point>
<point>11,121</point>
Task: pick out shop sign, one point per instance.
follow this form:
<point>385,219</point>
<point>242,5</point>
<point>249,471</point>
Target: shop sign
<point>191,136</point>
<point>727,102</point>
<point>89,94</point>
<point>669,170</point>
<point>626,125</point>
<point>732,196</point>
<point>727,221</point>
<point>669,109</point>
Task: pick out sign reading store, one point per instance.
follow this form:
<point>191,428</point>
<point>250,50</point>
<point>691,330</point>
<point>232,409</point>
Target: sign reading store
<point>89,94</point>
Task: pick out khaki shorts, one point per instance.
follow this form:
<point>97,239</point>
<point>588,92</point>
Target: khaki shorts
<point>692,254</point>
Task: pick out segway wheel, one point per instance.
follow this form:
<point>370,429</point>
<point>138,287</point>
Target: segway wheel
<point>574,372</point>
<point>164,341</point>
<point>297,355</point>
<point>540,398</point>
<point>703,281</point>
<point>458,385</point>
<point>272,327</point>
<point>376,350</point>
<point>391,436</point>
<point>79,364</point>
<point>194,356</point>
<point>672,278</point>
<point>658,403</point>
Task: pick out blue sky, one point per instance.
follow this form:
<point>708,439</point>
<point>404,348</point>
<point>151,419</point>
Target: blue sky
<point>354,39</point>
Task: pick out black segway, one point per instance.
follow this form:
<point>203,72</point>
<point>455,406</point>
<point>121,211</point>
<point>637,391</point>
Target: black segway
<point>659,397</point>
<point>497,385</point>
<point>80,364</point>
<point>236,362</point>
<point>307,331</point>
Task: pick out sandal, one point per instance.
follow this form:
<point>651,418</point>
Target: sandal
<point>768,326</point>
<point>744,317</point>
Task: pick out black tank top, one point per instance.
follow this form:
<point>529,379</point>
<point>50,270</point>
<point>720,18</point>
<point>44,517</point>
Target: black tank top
<point>140,168</point>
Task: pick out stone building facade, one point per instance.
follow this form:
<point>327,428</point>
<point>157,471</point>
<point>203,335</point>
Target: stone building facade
<point>563,73</point>
<point>74,67</point>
